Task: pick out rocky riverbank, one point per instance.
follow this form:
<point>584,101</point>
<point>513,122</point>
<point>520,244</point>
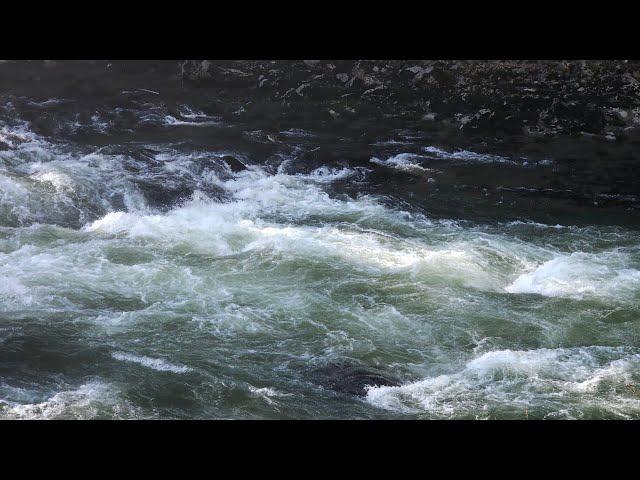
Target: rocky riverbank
<point>531,98</point>
<point>547,99</point>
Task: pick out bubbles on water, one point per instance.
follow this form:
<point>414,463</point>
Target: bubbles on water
<point>157,364</point>
<point>91,400</point>
<point>254,268</point>
<point>545,383</point>
<point>605,275</point>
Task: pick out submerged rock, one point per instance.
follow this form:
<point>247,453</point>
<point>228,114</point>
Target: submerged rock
<point>350,378</point>
<point>163,194</point>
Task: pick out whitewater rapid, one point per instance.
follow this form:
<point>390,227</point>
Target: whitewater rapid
<point>213,304</point>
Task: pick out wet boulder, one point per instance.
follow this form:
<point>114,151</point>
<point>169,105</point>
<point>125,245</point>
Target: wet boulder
<point>168,194</point>
<point>351,378</point>
<point>164,194</point>
<point>234,164</point>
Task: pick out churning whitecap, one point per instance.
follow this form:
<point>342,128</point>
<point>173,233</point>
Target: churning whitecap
<point>94,399</point>
<point>579,275</point>
<point>561,382</point>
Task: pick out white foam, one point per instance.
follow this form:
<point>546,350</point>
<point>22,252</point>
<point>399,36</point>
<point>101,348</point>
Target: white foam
<point>58,180</point>
<point>66,276</point>
<point>466,155</point>
<point>228,229</point>
<point>13,198</point>
<point>109,223</point>
<point>225,228</point>
<point>153,363</point>
<point>50,101</point>
<point>517,223</point>
<point>81,184</point>
<point>91,400</point>
<point>266,215</point>
<point>173,121</point>
<point>329,175</point>
<point>403,161</point>
<point>579,275</point>
<point>297,132</point>
<point>188,112</point>
<point>548,379</point>
<point>266,393</point>
<point>99,124</point>
<point>13,292</point>
<point>17,136</point>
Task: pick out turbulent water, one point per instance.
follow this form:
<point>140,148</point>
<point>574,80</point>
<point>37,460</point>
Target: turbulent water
<point>145,273</point>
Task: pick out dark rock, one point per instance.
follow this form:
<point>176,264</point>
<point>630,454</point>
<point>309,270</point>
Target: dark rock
<point>345,377</point>
<point>481,120</point>
<point>234,164</point>
<point>483,97</point>
<point>442,76</point>
<point>163,194</point>
<point>169,193</point>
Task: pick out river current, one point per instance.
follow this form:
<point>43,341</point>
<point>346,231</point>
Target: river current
<point>168,262</point>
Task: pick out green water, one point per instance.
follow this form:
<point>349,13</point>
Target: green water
<point>142,277</point>
<point>216,310</point>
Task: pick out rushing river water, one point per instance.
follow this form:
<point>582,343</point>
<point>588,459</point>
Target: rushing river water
<point>162,262</point>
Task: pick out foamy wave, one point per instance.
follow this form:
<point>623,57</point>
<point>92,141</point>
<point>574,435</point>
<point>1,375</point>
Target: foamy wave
<point>266,393</point>
<point>173,121</point>
<point>70,274</point>
<point>265,215</point>
<point>13,199</point>
<point>188,112</point>
<point>474,157</point>
<point>224,228</point>
<point>545,381</point>
<point>58,180</point>
<point>13,292</point>
<point>17,136</point>
<point>44,184</point>
<point>91,400</point>
<point>50,102</point>
<point>466,155</point>
<point>519,223</point>
<point>369,250</point>
<point>297,132</point>
<point>228,229</point>
<point>153,363</point>
<point>581,274</point>
<point>404,161</point>
<point>329,175</point>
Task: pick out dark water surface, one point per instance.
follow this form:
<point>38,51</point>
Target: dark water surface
<point>163,255</point>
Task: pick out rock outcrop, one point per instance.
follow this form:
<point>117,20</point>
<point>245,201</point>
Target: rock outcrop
<point>537,98</point>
